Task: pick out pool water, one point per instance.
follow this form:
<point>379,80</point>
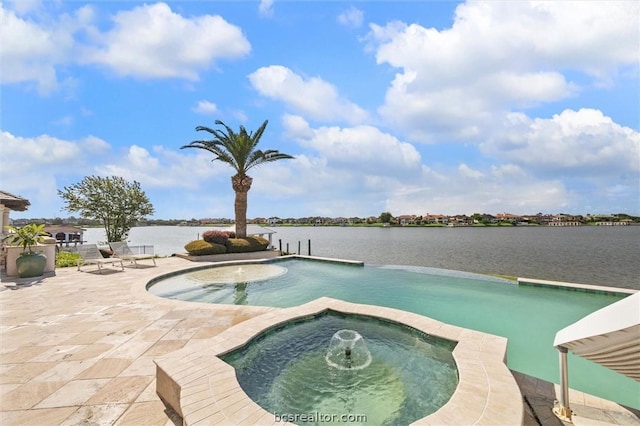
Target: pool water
<point>407,374</point>
<point>528,316</point>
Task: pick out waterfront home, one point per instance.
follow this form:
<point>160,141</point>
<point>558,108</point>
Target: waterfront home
<point>66,235</point>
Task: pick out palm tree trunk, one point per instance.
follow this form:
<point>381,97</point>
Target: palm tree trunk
<point>241,184</point>
<point>241,214</point>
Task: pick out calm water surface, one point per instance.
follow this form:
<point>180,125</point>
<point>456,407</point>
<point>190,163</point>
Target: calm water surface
<point>586,254</point>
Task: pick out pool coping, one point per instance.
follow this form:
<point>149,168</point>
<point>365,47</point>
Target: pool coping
<point>203,389</point>
<point>585,288</point>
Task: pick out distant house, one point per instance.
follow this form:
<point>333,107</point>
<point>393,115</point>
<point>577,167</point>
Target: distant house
<point>564,220</point>
<point>435,218</point>
<point>406,219</point>
<point>508,217</point>
<point>66,234</point>
<point>460,220</point>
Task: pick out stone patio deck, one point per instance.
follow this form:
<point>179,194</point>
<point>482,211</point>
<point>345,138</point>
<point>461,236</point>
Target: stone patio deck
<point>77,348</point>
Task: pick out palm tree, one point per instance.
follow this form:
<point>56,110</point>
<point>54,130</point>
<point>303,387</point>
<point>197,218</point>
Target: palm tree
<point>239,151</point>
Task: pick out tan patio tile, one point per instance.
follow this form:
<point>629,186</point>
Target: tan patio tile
<point>48,416</point>
<point>65,371</point>
<point>49,338</point>
<point>180,333</point>
<point>57,353</point>
<point>22,354</point>
<point>90,351</point>
<point>76,392</point>
<point>214,419</point>
<point>110,326</point>
<point>96,415</point>
<point>143,366</point>
<point>243,409</point>
<point>176,314</point>
<point>120,389</point>
<point>206,332</point>
<point>28,395</point>
<point>8,387</point>
<point>133,349</point>
<point>149,393</point>
<point>207,412</point>
<point>22,373</point>
<point>259,417</point>
<point>85,338</point>
<point>105,368</point>
<point>152,413</point>
<point>152,335</point>
<point>76,325</point>
<point>194,321</point>
<point>163,347</point>
<point>164,324</point>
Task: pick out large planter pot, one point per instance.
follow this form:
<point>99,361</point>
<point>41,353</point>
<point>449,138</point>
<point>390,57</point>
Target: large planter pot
<point>31,265</point>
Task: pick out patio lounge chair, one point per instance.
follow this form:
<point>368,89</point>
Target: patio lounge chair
<point>122,250</point>
<point>90,255</point>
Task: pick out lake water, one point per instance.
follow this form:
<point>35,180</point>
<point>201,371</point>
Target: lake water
<point>586,254</point>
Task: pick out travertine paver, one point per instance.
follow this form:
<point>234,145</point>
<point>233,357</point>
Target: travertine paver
<point>78,347</point>
<point>69,341</point>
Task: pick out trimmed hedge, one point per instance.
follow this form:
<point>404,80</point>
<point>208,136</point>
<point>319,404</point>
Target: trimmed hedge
<point>202,248</point>
<point>217,237</point>
<point>247,244</point>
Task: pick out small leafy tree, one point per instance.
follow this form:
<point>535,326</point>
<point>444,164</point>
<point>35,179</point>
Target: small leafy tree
<point>118,204</point>
<point>385,217</point>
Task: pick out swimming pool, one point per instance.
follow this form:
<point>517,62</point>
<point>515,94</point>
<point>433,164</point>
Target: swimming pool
<point>528,316</point>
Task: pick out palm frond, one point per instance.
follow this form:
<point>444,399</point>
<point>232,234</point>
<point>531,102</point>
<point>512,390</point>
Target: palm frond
<point>237,149</point>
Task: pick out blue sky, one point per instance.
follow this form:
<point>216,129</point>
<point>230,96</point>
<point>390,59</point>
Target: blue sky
<point>408,107</point>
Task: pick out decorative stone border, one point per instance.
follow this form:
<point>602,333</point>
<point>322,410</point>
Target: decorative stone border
<point>203,389</point>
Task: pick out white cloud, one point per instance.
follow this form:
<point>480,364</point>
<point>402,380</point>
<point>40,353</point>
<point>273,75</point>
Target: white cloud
<point>30,52</point>
<point>152,41</point>
<point>266,8</point>
<point>312,97</point>
<point>351,17</point>
<point>38,164</point>
<point>205,108</point>
<point>498,56</point>
<point>44,151</point>
<point>467,171</point>
<point>362,150</point>
<point>582,142</point>
<point>470,191</point>
<point>149,41</point>
<point>22,7</point>
<point>165,168</point>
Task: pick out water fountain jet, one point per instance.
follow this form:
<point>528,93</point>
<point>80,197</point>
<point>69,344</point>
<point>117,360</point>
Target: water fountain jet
<point>348,351</point>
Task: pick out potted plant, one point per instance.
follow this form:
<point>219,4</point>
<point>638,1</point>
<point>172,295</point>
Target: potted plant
<point>28,263</point>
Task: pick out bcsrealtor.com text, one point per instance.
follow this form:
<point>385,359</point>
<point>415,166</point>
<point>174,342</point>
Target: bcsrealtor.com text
<point>318,417</point>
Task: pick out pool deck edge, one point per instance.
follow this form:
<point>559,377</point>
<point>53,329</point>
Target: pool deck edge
<point>587,288</point>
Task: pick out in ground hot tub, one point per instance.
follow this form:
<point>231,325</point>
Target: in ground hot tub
<point>204,389</point>
<point>347,368</point>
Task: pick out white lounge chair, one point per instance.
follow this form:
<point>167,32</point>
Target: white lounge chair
<point>122,250</point>
<point>90,255</point>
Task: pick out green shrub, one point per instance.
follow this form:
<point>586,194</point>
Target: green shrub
<point>201,248</point>
<point>247,244</point>
<point>65,259</point>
